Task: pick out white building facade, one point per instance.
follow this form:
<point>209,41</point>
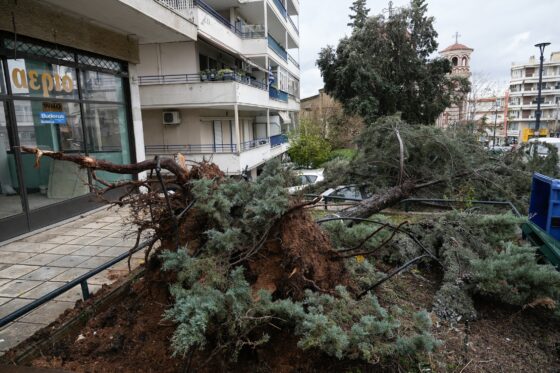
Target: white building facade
<point>523,97</point>
<point>232,94</point>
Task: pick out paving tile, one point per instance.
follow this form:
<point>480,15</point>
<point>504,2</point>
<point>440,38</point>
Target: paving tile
<point>70,274</point>
<point>44,273</point>
<point>17,287</point>
<point>72,231</point>
<point>68,261</point>
<point>43,289</point>
<point>14,258</point>
<point>109,241</point>
<point>65,249</point>
<point>42,259</point>
<point>12,305</point>
<point>17,270</point>
<point>47,313</point>
<point>91,250</point>
<point>94,262</point>
<point>84,240</point>
<point>4,281</point>
<point>4,300</point>
<point>110,219</point>
<point>27,247</point>
<point>17,332</point>
<point>39,237</point>
<point>99,233</point>
<point>114,251</point>
<point>60,239</point>
<point>96,225</point>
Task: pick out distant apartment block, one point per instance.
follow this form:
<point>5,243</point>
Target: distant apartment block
<point>231,93</point>
<point>523,92</point>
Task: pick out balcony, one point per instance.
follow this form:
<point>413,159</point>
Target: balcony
<point>293,25</point>
<point>281,8</point>
<point>253,153</point>
<point>277,48</point>
<point>277,95</point>
<point>245,32</point>
<point>278,140</point>
<point>151,21</point>
<point>201,90</point>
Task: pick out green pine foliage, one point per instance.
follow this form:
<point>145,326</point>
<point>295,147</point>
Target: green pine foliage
<point>513,276</point>
<point>215,308</point>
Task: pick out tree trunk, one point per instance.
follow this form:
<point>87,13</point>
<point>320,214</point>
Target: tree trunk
<point>380,201</point>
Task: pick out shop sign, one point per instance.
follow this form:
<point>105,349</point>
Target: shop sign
<point>53,117</point>
<point>44,82</point>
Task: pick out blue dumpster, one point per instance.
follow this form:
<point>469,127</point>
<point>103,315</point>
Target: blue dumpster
<point>544,209</point>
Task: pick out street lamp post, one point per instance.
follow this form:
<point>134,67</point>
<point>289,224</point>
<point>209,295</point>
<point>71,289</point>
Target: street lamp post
<point>538,113</point>
<point>495,122</point>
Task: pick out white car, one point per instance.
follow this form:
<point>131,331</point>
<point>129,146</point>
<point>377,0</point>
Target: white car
<point>541,149</point>
<point>306,178</point>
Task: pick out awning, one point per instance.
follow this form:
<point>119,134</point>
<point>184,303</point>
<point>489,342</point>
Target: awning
<point>285,117</point>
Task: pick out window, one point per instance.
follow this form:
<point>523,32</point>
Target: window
<point>455,61</point>
<point>97,86</point>
<point>105,127</point>
<point>464,61</point>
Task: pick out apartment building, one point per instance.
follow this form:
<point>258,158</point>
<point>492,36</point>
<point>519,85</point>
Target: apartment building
<point>68,82</point>
<point>523,96</point>
<point>232,94</point>
<point>488,116</point>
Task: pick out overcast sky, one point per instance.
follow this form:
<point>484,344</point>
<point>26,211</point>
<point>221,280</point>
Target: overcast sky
<point>499,31</point>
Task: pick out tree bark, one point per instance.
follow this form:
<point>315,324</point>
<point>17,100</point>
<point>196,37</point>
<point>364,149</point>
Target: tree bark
<point>98,164</point>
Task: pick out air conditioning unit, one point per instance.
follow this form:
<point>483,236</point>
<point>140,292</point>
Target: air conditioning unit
<point>171,117</point>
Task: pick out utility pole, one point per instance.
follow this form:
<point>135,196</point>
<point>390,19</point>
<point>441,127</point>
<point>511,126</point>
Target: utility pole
<point>495,122</point>
<point>538,113</point>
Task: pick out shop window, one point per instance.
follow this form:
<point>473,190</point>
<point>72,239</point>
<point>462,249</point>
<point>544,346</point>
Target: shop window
<point>105,127</point>
<point>98,86</point>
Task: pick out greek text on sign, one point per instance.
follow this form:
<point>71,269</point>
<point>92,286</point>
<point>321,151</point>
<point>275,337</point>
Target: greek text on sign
<point>46,82</point>
<point>53,118</point>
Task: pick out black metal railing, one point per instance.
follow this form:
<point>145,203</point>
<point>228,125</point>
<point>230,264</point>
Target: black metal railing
<point>203,77</point>
<point>191,149</point>
<point>253,34</point>
<point>82,281</point>
<point>252,144</point>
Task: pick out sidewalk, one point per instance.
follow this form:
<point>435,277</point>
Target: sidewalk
<point>35,265</point>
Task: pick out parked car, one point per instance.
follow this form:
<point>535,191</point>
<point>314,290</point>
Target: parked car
<point>541,149</point>
<point>306,178</point>
<point>352,192</point>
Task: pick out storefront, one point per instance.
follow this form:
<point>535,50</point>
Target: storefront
<point>61,99</point>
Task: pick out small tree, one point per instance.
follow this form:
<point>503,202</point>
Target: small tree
<point>308,146</point>
<point>384,67</point>
<point>360,14</point>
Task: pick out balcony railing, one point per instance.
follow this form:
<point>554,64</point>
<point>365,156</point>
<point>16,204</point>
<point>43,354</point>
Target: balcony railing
<point>278,140</point>
<point>293,60</point>
<point>277,95</point>
<point>249,31</point>
<point>281,8</point>
<point>252,144</point>
<point>277,48</point>
<point>208,77</point>
<point>190,149</point>
<point>177,5</point>
<point>293,24</point>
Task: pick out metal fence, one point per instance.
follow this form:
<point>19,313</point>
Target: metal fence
<point>252,144</point>
<point>277,95</point>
